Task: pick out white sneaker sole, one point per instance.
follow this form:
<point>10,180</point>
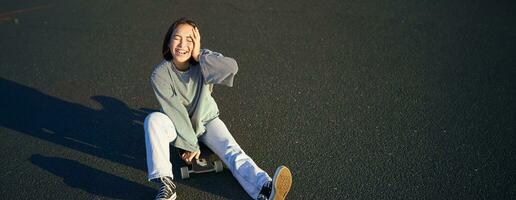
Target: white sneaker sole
<point>173,197</point>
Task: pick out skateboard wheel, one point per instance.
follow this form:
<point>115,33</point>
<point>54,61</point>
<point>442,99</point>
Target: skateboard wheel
<point>218,166</point>
<point>184,173</point>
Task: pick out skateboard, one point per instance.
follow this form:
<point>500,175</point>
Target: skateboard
<point>205,164</point>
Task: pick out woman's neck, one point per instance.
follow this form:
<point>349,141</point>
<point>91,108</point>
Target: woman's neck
<point>182,66</point>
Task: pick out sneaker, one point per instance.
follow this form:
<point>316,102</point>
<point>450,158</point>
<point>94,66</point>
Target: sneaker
<point>167,189</point>
<point>278,188</point>
<point>265,192</point>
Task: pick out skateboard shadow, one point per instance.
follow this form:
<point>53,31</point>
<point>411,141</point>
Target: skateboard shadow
<point>114,132</point>
<point>91,180</point>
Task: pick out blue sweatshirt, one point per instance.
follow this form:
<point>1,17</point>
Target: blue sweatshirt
<point>185,96</point>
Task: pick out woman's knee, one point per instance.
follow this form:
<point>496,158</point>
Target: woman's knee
<point>157,123</point>
<point>156,118</point>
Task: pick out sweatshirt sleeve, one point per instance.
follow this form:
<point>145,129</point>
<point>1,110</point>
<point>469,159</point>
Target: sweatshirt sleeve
<point>217,69</point>
<point>171,105</point>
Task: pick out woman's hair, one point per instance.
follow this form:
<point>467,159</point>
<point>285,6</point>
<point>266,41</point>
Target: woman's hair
<point>167,55</point>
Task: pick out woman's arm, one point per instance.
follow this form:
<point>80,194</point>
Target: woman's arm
<point>217,69</point>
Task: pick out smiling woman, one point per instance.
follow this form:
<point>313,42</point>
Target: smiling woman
<point>179,40</point>
<point>183,83</point>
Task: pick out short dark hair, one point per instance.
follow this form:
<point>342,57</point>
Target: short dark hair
<point>167,55</point>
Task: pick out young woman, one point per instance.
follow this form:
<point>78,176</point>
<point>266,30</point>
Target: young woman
<point>183,83</point>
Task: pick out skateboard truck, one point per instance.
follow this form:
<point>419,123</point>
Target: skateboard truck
<point>201,165</point>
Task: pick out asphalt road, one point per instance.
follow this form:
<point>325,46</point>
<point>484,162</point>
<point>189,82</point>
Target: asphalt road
<point>361,99</point>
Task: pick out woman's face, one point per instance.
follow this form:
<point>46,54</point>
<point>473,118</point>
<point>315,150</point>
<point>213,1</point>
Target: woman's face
<point>181,44</point>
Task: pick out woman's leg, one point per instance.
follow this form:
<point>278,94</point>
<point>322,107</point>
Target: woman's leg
<point>244,169</point>
<point>159,132</point>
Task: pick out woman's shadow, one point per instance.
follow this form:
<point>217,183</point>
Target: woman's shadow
<point>114,132</point>
<point>91,180</point>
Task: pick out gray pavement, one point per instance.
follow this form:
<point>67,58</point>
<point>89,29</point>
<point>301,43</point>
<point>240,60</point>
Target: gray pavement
<point>361,99</point>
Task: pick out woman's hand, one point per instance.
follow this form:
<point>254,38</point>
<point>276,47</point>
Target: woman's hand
<point>188,156</point>
<point>196,36</point>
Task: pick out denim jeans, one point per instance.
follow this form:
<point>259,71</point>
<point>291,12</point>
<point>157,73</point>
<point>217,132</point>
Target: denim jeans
<point>160,131</point>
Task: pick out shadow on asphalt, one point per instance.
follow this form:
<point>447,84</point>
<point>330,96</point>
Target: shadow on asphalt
<point>91,180</point>
<point>115,133</point>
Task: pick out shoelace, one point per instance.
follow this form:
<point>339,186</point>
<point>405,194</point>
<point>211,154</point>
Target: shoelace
<point>165,191</point>
<point>266,191</point>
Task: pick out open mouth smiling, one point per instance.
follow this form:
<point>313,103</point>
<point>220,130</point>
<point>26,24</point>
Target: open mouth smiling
<point>180,52</point>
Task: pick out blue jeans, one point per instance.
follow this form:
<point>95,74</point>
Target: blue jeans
<point>160,131</point>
